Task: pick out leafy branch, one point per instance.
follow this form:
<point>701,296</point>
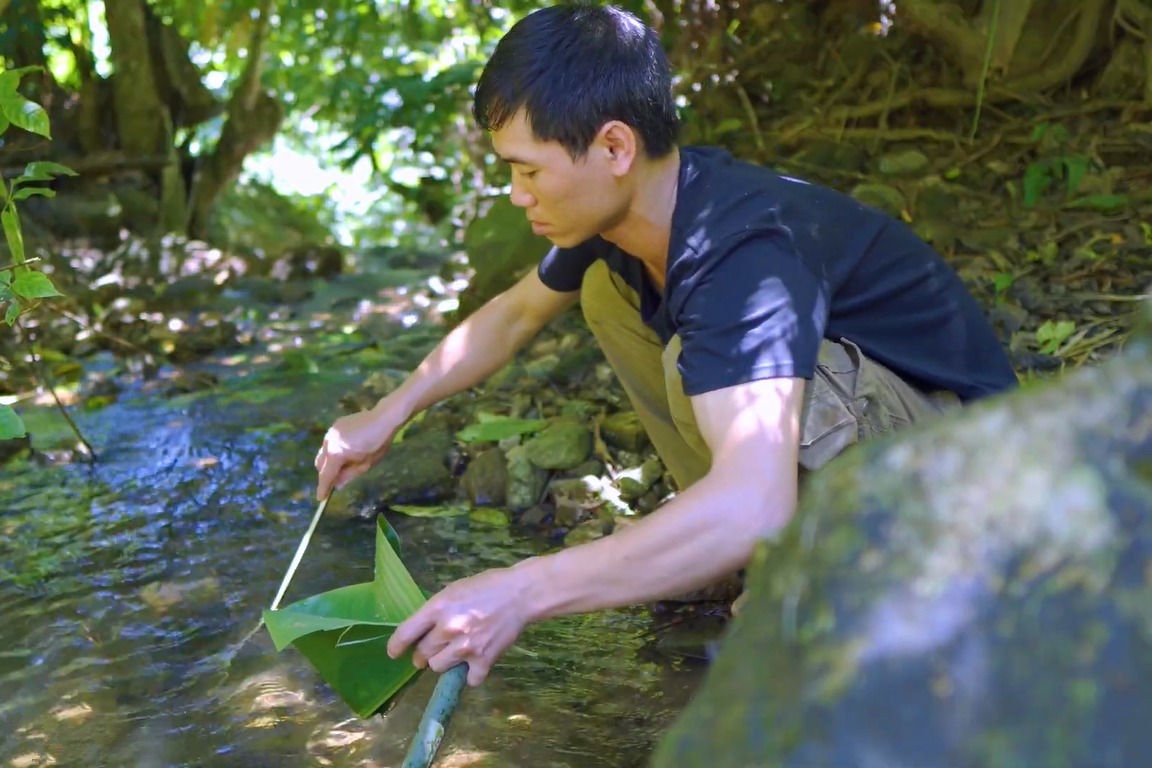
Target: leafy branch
<point>22,287</point>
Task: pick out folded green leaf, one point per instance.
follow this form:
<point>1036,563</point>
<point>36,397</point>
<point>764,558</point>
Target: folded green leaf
<point>344,632</point>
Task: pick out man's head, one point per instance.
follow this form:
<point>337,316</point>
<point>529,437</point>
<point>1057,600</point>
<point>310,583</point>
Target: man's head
<point>579,103</point>
<point>573,68</point>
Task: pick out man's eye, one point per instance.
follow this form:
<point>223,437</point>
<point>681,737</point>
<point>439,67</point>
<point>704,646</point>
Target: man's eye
<point>528,174</point>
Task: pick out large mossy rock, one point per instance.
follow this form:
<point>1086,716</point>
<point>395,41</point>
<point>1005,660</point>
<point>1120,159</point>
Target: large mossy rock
<point>501,248</point>
<point>976,592</point>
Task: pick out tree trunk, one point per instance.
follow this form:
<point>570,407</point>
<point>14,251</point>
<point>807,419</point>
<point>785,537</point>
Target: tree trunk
<point>143,122</point>
<point>254,117</point>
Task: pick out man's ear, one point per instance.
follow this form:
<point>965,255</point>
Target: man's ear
<point>619,146</point>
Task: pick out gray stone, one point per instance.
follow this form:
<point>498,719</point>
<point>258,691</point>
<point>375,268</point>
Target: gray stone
<point>623,430</point>
<point>975,591</point>
<point>415,471</point>
<point>486,480</point>
<point>526,481</point>
<point>561,445</point>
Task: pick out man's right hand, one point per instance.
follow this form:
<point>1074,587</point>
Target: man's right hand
<point>353,444</point>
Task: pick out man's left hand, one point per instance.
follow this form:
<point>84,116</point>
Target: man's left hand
<point>473,620</point>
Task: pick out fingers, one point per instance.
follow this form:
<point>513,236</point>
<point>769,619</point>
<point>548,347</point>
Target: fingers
<point>329,470</point>
<point>457,652</point>
<point>417,626</point>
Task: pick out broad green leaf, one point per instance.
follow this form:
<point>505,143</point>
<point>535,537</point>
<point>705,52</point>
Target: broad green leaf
<point>10,424</point>
<point>45,171</point>
<point>499,429</point>
<point>10,79</point>
<point>344,632</point>
<point>34,285</point>
<point>4,123</point>
<point>12,233</point>
<point>27,192</point>
<point>13,311</point>
<point>447,510</point>
<point>25,114</point>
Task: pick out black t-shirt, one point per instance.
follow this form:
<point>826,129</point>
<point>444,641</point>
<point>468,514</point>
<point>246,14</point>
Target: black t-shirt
<point>762,266</point>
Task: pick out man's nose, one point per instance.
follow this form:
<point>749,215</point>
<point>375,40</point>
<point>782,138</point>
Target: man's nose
<point>519,197</point>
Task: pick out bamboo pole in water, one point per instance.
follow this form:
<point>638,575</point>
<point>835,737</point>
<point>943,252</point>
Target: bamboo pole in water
<point>434,723</point>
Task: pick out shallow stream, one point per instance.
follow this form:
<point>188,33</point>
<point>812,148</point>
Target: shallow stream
<point>125,585</point>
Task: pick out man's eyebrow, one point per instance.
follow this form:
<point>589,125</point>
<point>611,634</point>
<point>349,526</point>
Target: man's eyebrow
<point>512,159</point>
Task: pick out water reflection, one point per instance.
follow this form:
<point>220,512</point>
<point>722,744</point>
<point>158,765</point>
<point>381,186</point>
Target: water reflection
<point>125,587</point>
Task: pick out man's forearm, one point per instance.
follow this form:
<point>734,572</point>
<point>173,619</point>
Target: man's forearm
<point>699,537</point>
<point>471,352</point>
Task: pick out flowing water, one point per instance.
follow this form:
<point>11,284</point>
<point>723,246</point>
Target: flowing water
<point>126,585</point>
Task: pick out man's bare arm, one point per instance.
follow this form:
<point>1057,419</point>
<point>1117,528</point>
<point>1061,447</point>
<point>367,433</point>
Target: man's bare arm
<point>703,534</point>
<point>483,343</point>
<point>475,349</point>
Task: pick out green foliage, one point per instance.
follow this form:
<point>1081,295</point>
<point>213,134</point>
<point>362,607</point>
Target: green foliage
<point>1058,168</point>
<point>344,632</point>
<point>1053,164</point>
<point>490,428</point>
<point>1051,335</point>
<point>21,286</point>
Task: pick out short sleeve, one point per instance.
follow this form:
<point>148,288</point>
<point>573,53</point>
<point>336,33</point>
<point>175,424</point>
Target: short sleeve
<point>753,310</point>
<point>562,269</point>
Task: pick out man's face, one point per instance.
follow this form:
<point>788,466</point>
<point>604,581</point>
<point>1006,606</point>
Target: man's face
<point>567,201</point>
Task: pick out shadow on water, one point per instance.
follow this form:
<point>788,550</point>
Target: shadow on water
<point>123,585</point>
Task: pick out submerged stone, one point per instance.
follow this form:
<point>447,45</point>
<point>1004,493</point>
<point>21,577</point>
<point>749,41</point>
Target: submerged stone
<point>977,591</point>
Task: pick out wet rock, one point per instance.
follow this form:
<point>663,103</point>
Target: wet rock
<point>185,382</point>
<point>589,530</point>
<point>561,445</point>
<point>637,481</point>
<point>880,196</point>
<point>581,410</point>
<point>526,481</point>
<point>163,596</point>
<point>909,162</point>
<point>982,582</point>
<point>592,466</point>
<point>573,499</point>
<point>623,430</point>
<point>486,480</point>
<point>195,341</point>
<point>415,471</point>
<point>501,247</point>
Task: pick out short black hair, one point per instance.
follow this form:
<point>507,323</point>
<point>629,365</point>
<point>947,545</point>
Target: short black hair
<point>575,67</point>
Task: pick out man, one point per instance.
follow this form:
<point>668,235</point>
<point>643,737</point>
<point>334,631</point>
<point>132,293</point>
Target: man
<point>758,324</point>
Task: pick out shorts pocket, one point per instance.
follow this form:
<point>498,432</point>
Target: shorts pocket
<point>829,425</point>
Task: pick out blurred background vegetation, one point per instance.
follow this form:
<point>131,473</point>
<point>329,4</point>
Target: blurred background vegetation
<point>307,138</point>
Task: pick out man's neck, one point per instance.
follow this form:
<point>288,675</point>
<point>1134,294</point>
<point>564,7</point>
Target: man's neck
<point>647,227</point>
